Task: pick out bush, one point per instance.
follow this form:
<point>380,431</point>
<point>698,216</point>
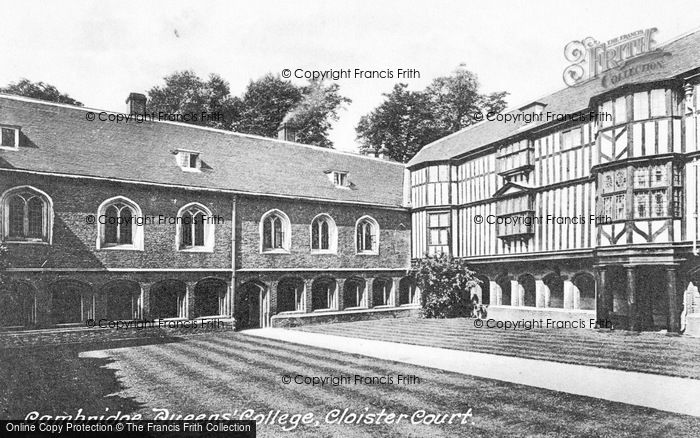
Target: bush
<point>445,284</point>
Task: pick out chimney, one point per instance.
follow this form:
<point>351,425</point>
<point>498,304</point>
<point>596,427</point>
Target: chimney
<point>286,132</point>
<point>384,153</point>
<point>136,103</point>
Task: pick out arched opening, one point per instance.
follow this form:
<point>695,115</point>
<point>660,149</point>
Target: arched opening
<point>504,283</point>
<point>209,297</point>
<point>71,302</point>
<point>290,295</point>
<point>556,290</point>
<point>120,300</point>
<point>527,282</point>
<point>18,305</point>
<point>168,300</point>
<point>652,298</point>
<point>275,232</point>
<point>252,310</point>
<point>381,292</point>
<point>324,234</point>
<point>407,291</point>
<point>585,283</point>
<point>354,293</point>
<point>485,286</point>
<point>323,296</point>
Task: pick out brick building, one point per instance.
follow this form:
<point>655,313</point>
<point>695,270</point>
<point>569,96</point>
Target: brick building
<point>166,220</point>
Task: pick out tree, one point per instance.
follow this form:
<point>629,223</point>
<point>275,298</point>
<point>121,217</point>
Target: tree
<point>186,93</point>
<point>415,119</point>
<point>39,90</point>
<point>402,124</point>
<point>445,283</point>
<point>265,103</point>
<point>313,115</point>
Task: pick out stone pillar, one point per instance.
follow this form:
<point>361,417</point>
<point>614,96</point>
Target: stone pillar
<point>370,293</point>
<point>601,291</point>
<point>340,293</point>
<point>272,290</point>
<point>187,310</point>
<point>496,294</point>
<point>394,297</point>
<point>568,294</point>
<point>541,292</point>
<point>308,284</point>
<point>146,300</point>
<point>632,302</point>
<point>674,314</point>
<point>515,293</point>
<point>228,305</point>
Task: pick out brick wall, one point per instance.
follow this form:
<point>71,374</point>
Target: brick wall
<point>394,240</point>
<point>74,241</point>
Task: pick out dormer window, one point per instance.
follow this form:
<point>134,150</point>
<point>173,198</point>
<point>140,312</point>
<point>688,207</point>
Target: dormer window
<point>339,178</point>
<point>188,160</point>
<point>9,137</point>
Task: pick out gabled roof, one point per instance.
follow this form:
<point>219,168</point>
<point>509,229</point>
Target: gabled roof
<point>685,56</point>
<point>58,139</point>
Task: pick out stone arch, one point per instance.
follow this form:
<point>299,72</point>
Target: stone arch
<point>355,293</point>
<point>585,283</point>
<point>381,291</point>
<point>503,281</point>
<point>18,305</point>
<point>407,291</point>
<point>290,294</point>
<point>168,299</point>
<point>484,289</point>
<point>527,282</point>
<point>72,301</point>
<point>121,300</point>
<point>324,294</point>
<point>555,284</point>
<point>209,296</point>
<point>252,309</point>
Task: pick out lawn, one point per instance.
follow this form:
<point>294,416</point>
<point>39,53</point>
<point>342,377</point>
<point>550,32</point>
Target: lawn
<point>643,352</point>
<point>226,372</point>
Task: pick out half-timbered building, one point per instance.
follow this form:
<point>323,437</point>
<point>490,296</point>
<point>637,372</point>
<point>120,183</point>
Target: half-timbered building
<point>582,204</point>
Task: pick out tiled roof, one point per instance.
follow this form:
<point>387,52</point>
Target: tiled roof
<point>58,139</point>
<point>685,56</point>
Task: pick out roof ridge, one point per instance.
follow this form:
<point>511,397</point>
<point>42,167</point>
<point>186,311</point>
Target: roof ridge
<point>205,128</point>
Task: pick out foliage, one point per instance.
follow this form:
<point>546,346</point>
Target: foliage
<point>408,120</point>
<point>39,90</point>
<point>445,283</point>
<point>265,104</point>
<point>186,93</point>
<point>313,115</point>
<point>402,124</point>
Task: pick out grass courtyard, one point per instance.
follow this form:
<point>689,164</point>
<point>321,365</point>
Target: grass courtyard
<point>645,352</point>
<point>227,372</point>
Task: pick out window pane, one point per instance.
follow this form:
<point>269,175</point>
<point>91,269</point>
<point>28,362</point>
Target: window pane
<point>324,235</point>
<point>620,110</point>
<point>659,203</point>
<point>8,137</point>
<point>186,228</point>
<point>199,229</point>
<point>193,161</point>
<point>111,219</point>
<point>16,216</point>
<point>641,178</point>
<point>35,218</point>
<point>368,237</point>
<point>267,233</point>
<point>278,238</point>
<point>641,202</point>
<point>620,205</point>
<point>125,226</point>
<point>315,235</point>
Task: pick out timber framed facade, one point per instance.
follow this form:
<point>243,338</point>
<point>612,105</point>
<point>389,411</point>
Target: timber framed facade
<point>593,216</point>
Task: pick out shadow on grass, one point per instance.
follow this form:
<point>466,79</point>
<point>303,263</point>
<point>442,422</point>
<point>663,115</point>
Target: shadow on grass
<point>54,380</point>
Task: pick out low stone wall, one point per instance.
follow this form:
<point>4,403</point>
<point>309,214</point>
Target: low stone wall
<point>509,313</point>
<point>323,317</point>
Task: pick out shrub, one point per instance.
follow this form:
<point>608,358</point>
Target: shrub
<point>445,283</point>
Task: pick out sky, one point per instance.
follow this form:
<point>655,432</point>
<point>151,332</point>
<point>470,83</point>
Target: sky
<point>98,52</point>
